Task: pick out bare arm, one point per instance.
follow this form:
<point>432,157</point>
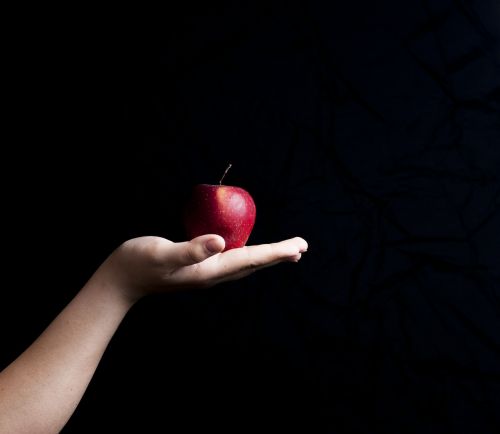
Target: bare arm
<point>40,390</point>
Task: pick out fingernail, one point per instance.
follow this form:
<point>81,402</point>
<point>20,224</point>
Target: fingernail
<point>213,246</point>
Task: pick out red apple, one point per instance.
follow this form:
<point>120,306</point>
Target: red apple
<point>224,210</point>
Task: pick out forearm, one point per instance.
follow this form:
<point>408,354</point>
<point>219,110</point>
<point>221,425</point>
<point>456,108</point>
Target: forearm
<point>40,390</point>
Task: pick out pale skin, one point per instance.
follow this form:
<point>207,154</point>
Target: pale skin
<point>40,390</point>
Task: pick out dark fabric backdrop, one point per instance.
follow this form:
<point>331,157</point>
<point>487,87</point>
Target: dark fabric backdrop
<point>371,129</point>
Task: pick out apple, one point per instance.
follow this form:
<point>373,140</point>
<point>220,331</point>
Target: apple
<point>220,209</point>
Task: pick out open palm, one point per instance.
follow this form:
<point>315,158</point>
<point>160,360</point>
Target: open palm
<point>155,264</point>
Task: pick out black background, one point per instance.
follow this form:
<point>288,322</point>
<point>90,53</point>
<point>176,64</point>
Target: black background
<point>371,129</point>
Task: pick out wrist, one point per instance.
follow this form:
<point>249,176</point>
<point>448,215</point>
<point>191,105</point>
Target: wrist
<point>109,287</point>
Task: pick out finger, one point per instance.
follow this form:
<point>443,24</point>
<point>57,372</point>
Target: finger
<point>246,272</point>
<point>196,250</point>
<point>256,257</point>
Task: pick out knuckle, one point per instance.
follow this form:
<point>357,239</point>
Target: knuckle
<point>148,249</point>
<point>255,260</point>
<point>191,254</point>
<point>252,262</point>
<point>154,252</point>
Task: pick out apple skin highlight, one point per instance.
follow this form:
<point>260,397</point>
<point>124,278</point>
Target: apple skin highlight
<point>224,210</point>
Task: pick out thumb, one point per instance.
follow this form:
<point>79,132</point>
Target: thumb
<point>198,249</point>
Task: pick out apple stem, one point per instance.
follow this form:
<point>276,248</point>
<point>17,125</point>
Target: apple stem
<point>228,167</point>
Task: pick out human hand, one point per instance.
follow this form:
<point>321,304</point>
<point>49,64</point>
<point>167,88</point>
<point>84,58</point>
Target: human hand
<point>41,388</point>
<point>145,265</point>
